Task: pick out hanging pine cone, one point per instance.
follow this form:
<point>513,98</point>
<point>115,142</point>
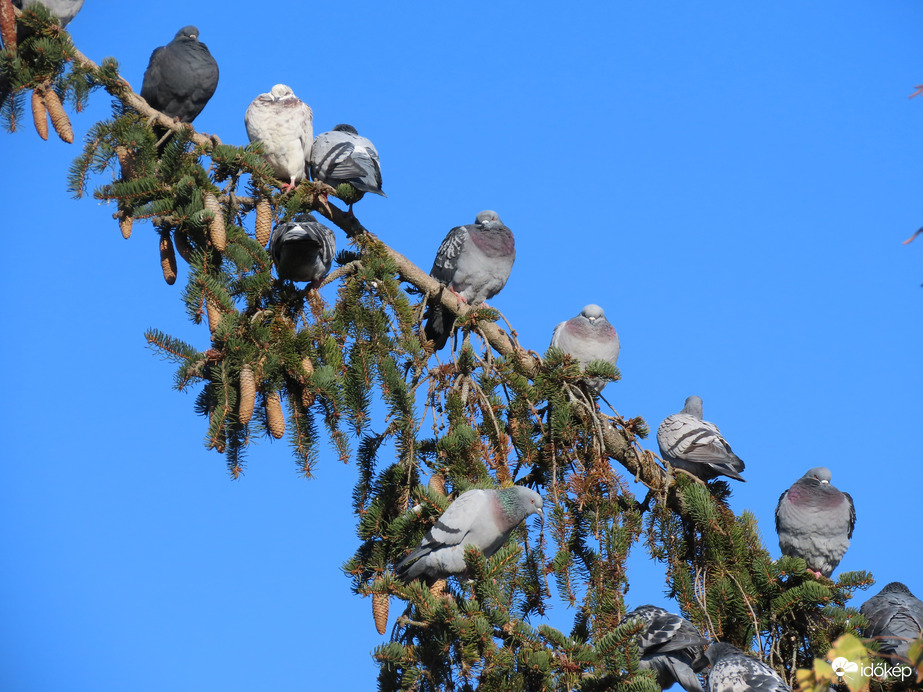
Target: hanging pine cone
<point>39,114</point>
<point>247,394</point>
<point>380,603</point>
<point>167,257</point>
<point>126,162</point>
<point>274,416</point>
<point>437,483</point>
<point>62,124</point>
<point>307,366</point>
<point>125,223</point>
<point>216,230</point>
<point>8,25</point>
<point>181,240</point>
<point>214,315</point>
<point>438,588</point>
<point>263,221</point>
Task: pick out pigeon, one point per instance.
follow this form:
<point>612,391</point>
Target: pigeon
<point>64,10</point>
<point>895,618</point>
<point>342,156</point>
<point>180,77</point>
<point>302,249</point>
<point>733,671</point>
<point>671,646</point>
<point>481,518</point>
<point>690,443</point>
<point>474,262</point>
<point>588,337</point>
<point>283,123</point>
<point>815,521</point>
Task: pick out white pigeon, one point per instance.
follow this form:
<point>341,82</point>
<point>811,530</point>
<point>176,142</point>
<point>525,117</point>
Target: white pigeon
<point>284,124</point>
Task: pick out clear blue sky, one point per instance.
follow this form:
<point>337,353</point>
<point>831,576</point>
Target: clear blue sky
<point>730,181</point>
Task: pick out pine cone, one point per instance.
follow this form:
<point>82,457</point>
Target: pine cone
<point>126,162</point>
<point>8,25</point>
<point>39,114</point>
<point>125,222</point>
<point>214,315</point>
<point>62,124</point>
<point>247,394</point>
<point>274,416</point>
<point>438,588</point>
<point>167,257</point>
<point>380,602</point>
<point>181,240</point>
<point>216,229</point>
<point>437,483</point>
<point>263,221</point>
<point>307,366</point>
<point>307,398</point>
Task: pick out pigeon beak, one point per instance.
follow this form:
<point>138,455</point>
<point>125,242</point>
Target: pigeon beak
<point>825,482</point>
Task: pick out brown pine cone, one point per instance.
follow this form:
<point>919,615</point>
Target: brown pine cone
<point>216,229</point>
<point>247,394</point>
<point>59,119</point>
<point>263,221</point>
<point>167,257</point>
<point>274,416</point>
<point>380,611</point>
<point>39,114</point>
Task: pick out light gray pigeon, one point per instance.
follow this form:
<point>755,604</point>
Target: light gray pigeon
<point>342,156</point>
<point>474,262</point>
<point>181,76</point>
<point>302,249</point>
<point>284,124</point>
<point>482,518</point>
<point>671,646</point>
<point>64,10</point>
<point>695,445</point>
<point>733,671</point>
<point>588,337</point>
<point>895,618</point>
<point>815,521</point>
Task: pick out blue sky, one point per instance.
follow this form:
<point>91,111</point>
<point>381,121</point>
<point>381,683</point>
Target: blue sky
<point>731,182</point>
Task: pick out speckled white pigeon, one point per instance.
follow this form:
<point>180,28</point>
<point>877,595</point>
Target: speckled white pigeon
<point>815,521</point>
<point>733,671</point>
<point>895,618</point>
<point>474,262</point>
<point>671,646</point>
<point>589,336</point>
<point>284,124</point>
<point>344,156</point>
<point>302,249</point>
<point>482,518</point>
<point>690,443</point>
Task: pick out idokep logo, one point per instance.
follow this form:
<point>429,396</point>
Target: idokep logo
<point>842,667</point>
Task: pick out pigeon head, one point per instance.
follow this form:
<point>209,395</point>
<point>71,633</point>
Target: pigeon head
<point>820,474</point>
<point>188,32</point>
<point>346,128</point>
<point>281,91</point>
<point>593,312</point>
<point>487,216</point>
<point>896,587</point>
<point>719,650</point>
<point>519,502</point>
<point>693,406</point>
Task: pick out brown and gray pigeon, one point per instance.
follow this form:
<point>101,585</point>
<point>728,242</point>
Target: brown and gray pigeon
<point>481,518</point>
<point>815,521</point>
<point>302,249</point>
<point>733,671</point>
<point>895,618</point>
<point>342,157</point>
<point>474,262</point>
<point>284,124</point>
<point>671,646</point>
<point>589,336</point>
<point>697,446</point>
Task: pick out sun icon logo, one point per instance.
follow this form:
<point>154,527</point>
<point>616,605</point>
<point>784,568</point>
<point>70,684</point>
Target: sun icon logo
<point>841,666</point>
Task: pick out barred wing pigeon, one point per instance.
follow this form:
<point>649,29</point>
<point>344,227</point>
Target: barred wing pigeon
<point>695,445</point>
<point>302,249</point>
<point>895,618</point>
<point>588,337</point>
<point>474,261</point>
<point>815,521</point>
<point>343,156</point>
<point>64,10</point>
<point>733,671</point>
<point>181,76</point>
<point>671,646</point>
<point>482,518</point>
<point>284,124</point>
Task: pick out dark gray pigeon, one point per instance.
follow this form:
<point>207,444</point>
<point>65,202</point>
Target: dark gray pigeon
<point>284,124</point>
<point>895,618</point>
<point>482,518</point>
<point>474,262</point>
<point>181,76</point>
<point>64,10</point>
<point>815,521</point>
<point>733,671</point>
<point>588,337</point>
<point>302,249</point>
<point>695,445</point>
<point>343,156</point>
<point>671,646</point>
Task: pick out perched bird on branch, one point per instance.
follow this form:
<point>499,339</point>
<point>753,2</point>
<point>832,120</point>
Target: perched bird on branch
<point>733,671</point>
<point>697,446</point>
<point>284,124</point>
<point>302,249</point>
<point>895,618</point>
<point>671,646</point>
<point>587,337</point>
<point>345,160</point>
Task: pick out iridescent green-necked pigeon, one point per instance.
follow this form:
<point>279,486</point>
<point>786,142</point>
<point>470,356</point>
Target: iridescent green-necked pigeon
<point>344,156</point>
<point>481,518</point>
<point>284,124</point>
<point>697,446</point>
<point>815,521</point>
<point>671,646</point>
<point>589,336</point>
<point>302,249</point>
<point>733,671</point>
<point>895,618</point>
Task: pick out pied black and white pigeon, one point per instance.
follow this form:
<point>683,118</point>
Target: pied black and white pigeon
<point>589,336</point>
<point>284,124</point>
<point>895,618</point>
<point>180,77</point>
<point>474,262</point>
<point>697,446</point>
<point>815,521</point>
<point>302,249</point>
<point>481,518</point>
<point>671,646</point>
<point>342,157</point>
<point>64,10</point>
<point>733,671</point>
